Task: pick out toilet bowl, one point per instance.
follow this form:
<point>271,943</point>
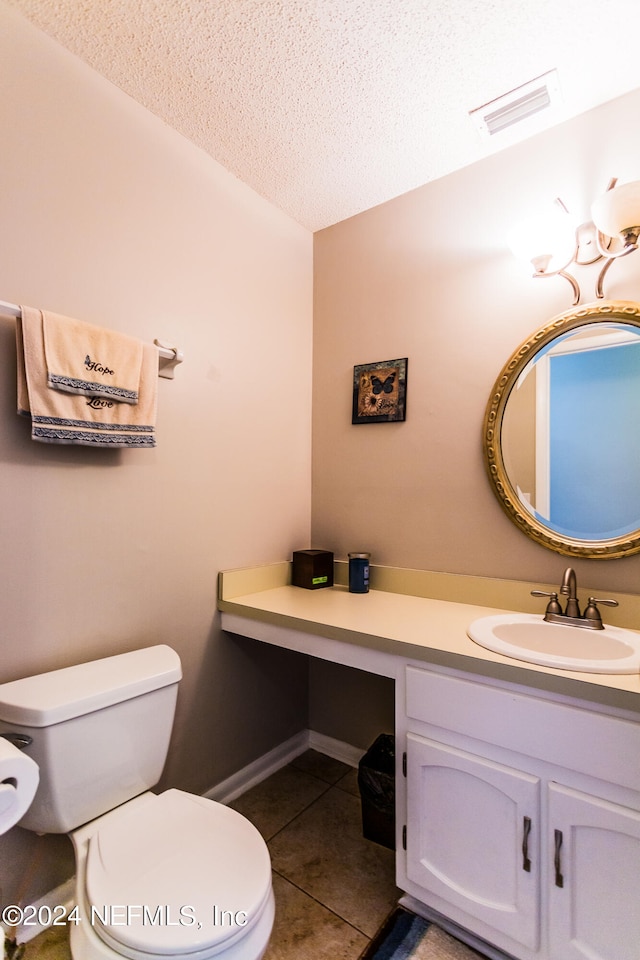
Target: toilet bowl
<point>158,876</point>
<point>171,875</point>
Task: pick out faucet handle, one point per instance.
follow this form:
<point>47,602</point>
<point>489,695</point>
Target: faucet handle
<point>592,612</point>
<point>607,603</point>
<point>553,606</point>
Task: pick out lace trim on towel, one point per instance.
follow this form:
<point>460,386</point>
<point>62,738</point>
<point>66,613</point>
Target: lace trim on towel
<point>57,435</point>
<point>88,388</point>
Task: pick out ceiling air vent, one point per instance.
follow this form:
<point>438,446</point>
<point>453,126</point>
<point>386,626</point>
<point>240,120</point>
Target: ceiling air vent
<point>518,105</point>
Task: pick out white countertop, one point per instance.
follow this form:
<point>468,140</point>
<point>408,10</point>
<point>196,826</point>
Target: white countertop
<point>410,627</point>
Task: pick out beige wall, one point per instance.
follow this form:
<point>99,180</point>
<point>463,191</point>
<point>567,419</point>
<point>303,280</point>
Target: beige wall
<point>348,704</point>
<point>427,276</point>
<point>108,215</point>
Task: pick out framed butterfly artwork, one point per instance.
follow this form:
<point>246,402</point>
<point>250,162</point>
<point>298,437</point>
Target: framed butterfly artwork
<point>379,391</point>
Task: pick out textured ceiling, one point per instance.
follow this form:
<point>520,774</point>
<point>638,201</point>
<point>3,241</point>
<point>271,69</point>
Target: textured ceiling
<point>329,107</point>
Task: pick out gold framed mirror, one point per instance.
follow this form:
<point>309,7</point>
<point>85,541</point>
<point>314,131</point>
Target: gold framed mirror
<point>561,432</point>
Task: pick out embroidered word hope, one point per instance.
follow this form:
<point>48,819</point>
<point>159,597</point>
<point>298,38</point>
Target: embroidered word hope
<point>97,367</point>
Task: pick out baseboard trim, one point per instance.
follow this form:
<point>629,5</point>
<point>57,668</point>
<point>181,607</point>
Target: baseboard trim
<point>43,909</point>
<point>336,749</point>
<point>257,771</point>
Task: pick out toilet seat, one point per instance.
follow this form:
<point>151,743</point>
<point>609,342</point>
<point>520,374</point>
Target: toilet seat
<point>175,874</point>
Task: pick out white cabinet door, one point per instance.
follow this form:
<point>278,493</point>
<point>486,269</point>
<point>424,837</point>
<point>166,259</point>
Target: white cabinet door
<point>473,836</point>
<point>594,878</point>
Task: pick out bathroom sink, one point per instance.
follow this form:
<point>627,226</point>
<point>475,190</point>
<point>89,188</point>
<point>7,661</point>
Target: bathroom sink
<point>526,636</point>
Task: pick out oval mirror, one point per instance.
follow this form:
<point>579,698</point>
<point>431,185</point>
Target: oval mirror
<point>562,432</point>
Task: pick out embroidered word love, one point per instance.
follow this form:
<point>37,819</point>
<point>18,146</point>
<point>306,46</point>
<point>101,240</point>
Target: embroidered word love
<point>96,403</point>
<point>97,367</point>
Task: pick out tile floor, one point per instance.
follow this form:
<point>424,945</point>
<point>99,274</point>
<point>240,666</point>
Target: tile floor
<point>333,888</point>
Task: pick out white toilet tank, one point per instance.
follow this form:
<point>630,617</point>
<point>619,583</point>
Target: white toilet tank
<point>100,733</point>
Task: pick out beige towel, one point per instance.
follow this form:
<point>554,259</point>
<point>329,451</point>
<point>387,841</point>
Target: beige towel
<point>91,361</point>
<point>70,418</point>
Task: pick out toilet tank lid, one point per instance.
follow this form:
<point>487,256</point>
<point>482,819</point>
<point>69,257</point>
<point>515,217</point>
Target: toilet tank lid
<point>59,695</point>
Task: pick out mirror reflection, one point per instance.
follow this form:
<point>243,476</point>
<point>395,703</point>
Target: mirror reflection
<point>570,433</point>
<point>562,432</point>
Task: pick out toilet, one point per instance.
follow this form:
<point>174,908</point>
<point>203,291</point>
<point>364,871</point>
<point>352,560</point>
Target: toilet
<point>157,875</point>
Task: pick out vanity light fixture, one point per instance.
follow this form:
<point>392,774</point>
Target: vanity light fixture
<point>552,241</point>
<point>548,242</point>
<point>616,214</point>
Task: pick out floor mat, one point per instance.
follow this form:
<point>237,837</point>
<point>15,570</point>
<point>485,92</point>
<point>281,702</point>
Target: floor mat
<point>405,936</point>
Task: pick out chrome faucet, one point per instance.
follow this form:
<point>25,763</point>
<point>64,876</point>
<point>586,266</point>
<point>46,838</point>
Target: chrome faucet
<point>590,619</point>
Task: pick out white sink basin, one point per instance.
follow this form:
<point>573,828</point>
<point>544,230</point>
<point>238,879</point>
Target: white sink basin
<point>526,636</point>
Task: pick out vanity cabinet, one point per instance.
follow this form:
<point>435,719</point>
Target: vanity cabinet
<point>522,817</point>
<point>594,877</point>
<point>518,805</point>
<point>471,839</point>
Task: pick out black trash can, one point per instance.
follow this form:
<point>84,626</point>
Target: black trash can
<point>377,783</point>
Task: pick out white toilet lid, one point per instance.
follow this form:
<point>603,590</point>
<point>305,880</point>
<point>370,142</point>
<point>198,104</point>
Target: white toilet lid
<point>177,875</point>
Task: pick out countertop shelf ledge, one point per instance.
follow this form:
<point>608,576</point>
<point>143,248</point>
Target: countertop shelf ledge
<point>390,624</point>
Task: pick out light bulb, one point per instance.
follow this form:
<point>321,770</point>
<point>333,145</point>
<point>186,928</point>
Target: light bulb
<point>618,210</point>
<point>547,241</point>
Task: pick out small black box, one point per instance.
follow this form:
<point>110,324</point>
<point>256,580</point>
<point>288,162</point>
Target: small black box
<point>312,569</point>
